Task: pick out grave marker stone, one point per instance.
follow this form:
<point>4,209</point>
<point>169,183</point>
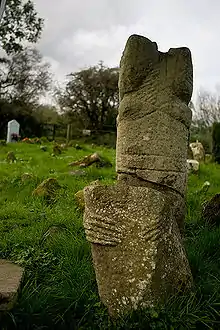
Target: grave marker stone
<point>13,129</point>
<point>135,226</point>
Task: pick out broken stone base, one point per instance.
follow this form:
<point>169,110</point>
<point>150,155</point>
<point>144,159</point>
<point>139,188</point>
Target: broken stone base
<point>10,280</point>
<point>137,249</point>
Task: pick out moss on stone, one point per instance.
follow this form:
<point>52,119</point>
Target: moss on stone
<point>79,196</point>
<point>11,157</point>
<point>47,188</point>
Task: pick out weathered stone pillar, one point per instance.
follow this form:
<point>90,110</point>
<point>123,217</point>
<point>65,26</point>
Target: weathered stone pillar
<point>135,225</point>
<point>10,280</point>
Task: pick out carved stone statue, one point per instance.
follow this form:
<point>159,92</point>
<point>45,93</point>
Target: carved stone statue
<point>135,225</point>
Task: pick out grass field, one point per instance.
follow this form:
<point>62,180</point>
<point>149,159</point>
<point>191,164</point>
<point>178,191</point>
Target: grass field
<point>59,288</point>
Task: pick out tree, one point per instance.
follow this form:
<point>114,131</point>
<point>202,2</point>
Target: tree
<point>46,114</point>
<point>20,23</point>
<point>92,95</point>
<point>207,110</point>
<point>205,113</point>
<point>23,113</point>
<point>25,77</point>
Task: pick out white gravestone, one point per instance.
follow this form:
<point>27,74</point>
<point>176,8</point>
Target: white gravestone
<point>13,128</point>
<point>86,132</point>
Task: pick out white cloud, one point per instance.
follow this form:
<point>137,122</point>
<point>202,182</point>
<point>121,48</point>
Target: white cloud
<point>81,33</point>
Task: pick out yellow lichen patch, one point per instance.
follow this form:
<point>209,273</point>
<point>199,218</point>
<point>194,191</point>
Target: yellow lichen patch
<point>79,196</point>
<point>47,188</point>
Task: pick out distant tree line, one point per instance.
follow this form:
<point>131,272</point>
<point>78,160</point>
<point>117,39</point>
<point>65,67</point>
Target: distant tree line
<point>206,112</point>
<point>91,97</point>
<point>89,100</point>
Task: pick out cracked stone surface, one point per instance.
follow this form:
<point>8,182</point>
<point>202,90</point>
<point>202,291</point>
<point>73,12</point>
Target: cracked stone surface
<point>10,280</point>
<point>198,151</point>
<point>135,225</point>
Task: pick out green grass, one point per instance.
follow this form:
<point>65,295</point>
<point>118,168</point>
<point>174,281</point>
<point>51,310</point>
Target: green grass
<point>59,289</point>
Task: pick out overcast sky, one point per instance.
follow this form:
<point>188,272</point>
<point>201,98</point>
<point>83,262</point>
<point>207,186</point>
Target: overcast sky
<point>79,33</point>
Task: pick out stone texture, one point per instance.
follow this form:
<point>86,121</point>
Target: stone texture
<point>43,148</point>
<point>13,129</point>
<point>154,119</point>
<point>92,159</point>
<point>26,177</point>
<point>78,172</point>
<point>57,150</point>
<point>11,157</point>
<point>198,151</point>
<point>87,160</point>
<point>10,279</point>
<point>79,197</point>
<point>137,247</point>
<point>47,188</point>
<point>77,147</point>
<point>135,226</point>
<point>192,165</point>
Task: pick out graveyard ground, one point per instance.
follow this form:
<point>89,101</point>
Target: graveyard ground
<point>59,288</point>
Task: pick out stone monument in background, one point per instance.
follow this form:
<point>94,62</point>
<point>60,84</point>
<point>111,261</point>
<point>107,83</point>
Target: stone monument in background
<point>13,130</point>
<point>135,226</point>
